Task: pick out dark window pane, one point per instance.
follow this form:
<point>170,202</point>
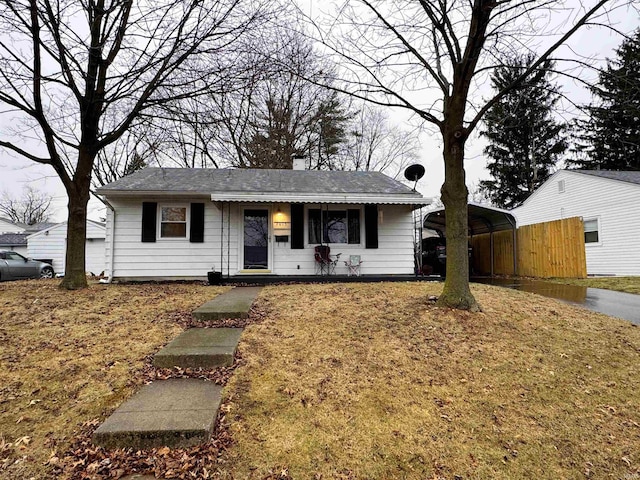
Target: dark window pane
<point>335,226</point>
<point>591,237</point>
<point>173,230</point>
<point>314,225</point>
<point>354,225</point>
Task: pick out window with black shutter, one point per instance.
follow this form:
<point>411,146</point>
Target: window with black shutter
<point>149,215</point>
<point>371,226</point>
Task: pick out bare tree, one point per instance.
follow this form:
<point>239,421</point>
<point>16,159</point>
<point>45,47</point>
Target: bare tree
<point>78,75</point>
<point>433,58</point>
<point>30,208</point>
<point>374,144</point>
<point>134,150</point>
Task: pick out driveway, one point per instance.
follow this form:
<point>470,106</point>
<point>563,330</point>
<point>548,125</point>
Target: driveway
<point>609,302</point>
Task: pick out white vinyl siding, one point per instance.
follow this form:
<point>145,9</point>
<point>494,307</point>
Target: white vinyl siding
<point>52,244</point>
<point>394,255</point>
<point>613,203</point>
<point>182,259</point>
<point>175,259</point>
<point>8,227</point>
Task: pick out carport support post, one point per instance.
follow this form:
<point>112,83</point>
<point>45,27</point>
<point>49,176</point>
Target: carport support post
<point>514,235</point>
<point>491,248</point>
<point>515,251</point>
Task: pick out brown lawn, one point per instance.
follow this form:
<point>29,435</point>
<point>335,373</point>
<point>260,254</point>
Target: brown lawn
<point>67,357</point>
<point>351,381</point>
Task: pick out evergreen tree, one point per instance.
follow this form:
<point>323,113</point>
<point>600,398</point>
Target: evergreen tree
<point>611,138</point>
<point>525,141</point>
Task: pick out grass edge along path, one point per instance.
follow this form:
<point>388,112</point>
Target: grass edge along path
<point>70,357</point>
<point>619,284</point>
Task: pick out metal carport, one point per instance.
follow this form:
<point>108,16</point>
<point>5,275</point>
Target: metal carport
<point>482,219</point>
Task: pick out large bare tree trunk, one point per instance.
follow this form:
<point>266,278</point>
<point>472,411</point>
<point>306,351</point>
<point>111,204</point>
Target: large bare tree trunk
<point>456,293</point>
<point>78,192</point>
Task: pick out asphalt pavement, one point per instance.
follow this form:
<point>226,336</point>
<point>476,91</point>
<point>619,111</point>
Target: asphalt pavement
<point>616,304</point>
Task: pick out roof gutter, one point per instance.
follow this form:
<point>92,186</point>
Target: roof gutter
<point>349,198</point>
<point>343,197</point>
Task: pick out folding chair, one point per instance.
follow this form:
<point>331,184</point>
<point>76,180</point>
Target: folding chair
<point>353,265</point>
<point>325,264</point>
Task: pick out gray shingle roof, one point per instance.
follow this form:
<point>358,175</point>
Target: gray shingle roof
<point>621,175</point>
<point>36,227</point>
<point>13,239</point>
<point>198,180</point>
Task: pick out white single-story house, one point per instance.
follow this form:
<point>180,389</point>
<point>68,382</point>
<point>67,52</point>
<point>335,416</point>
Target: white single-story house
<point>176,223</point>
<point>608,203</point>
<point>51,244</point>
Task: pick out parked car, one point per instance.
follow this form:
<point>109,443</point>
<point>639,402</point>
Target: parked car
<point>434,254</point>
<point>14,266</point>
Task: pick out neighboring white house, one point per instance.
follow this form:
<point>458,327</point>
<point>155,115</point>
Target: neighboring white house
<point>51,244</point>
<point>7,226</point>
<point>16,242</point>
<point>607,201</point>
<point>182,223</point>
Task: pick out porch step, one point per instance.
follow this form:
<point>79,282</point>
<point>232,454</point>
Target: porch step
<point>232,304</point>
<point>178,412</point>
<point>200,347</point>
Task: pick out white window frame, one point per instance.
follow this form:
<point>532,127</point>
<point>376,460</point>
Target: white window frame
<point>187,221</point>
<point>599,230</point>
<point>336,207</point>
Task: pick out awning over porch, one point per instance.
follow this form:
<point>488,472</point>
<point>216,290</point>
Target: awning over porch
<point>284,197</point>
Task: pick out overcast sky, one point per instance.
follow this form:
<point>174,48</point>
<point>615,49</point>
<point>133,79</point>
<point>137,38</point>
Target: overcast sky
<point>16,172</point>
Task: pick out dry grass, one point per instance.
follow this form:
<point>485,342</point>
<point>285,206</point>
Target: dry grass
<point>340,381</point>
<point>620,284</point>
<point>373,381</point>
<point>69,357</point>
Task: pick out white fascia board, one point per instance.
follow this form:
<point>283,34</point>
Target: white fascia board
<point>284,197</point>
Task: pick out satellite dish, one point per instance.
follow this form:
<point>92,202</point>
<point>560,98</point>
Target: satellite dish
<point>413,173</point>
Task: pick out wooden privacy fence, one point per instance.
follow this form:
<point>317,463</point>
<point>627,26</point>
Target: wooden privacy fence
<point>549,249</point>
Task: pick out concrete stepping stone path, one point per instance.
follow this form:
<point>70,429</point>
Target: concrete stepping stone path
<point>181,412</point>
<point>232,304</point>
<point>200,347</point>
<point>177,412</point>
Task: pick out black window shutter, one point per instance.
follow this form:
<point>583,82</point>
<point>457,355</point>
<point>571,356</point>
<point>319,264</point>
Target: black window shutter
<point>297,226</point>
<point>149,212</point>
<point>196,233</point>
<point>371,226</point>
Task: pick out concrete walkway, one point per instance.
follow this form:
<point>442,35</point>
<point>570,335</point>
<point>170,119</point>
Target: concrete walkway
<point>200,347</point>
<point>181,412</point>
<point>232,304</point>
<point>178,412</point>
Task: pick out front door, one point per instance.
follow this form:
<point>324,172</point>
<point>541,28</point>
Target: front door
<point>256,239</point>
